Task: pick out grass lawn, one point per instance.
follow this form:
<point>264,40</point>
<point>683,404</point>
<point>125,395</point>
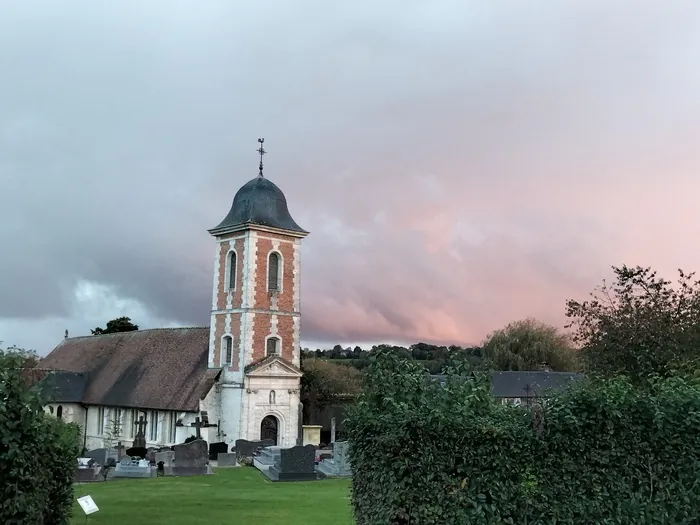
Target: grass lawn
<point>232,495</point>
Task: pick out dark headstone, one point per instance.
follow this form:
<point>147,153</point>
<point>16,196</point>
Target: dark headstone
<point>100,455</point>
<point>160,471</point>
<point>191,459</point>
<point>295,464</point>
<point>217,448</point>
<point>245,450</point>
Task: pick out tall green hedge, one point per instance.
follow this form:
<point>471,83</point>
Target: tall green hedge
<point>37,457</point>
<point>599,453</point>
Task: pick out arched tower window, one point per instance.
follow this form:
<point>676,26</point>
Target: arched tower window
<point>232,266</point>
<point>59,411</point>
<point>228,350</point>
<point>273,269</point>
<point>273,346</point>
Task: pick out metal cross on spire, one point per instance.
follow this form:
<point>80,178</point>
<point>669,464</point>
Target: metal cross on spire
<point>262,152</point>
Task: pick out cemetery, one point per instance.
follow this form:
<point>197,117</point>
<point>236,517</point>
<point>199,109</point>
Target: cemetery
<point>230,495</point>
<point>188,471</point>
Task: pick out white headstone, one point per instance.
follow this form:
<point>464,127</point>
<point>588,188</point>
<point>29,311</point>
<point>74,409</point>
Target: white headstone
<point>88,505</point>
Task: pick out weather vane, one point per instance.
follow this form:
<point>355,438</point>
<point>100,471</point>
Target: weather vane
<point>262,152</point>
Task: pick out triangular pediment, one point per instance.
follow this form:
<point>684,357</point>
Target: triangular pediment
<point>273,366</point>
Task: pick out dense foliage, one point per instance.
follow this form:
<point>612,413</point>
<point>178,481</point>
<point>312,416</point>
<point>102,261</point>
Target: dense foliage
<point>528,345</point>
<point>432,357</point>
<point>599,453</point>
<point>639,326</point>
<point>37,455</point>
<point>326,383</point>
<point>13,356</point>
<point>120,324</point>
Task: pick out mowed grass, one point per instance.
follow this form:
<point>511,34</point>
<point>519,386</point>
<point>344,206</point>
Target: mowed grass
<point>231,495</point>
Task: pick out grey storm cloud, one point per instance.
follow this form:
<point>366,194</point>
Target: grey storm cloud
<point>459,164</point>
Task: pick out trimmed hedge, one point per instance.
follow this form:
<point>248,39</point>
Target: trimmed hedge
<point>600,453</point>
<point>37,457</point>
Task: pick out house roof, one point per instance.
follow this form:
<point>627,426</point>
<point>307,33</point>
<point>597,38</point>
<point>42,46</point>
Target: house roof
<point>160,368</point>
<point>530,384</point>
<point>64,387</point>
<point>526,383</point>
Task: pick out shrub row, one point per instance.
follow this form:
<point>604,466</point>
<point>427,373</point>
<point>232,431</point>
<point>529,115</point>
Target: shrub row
<point>37,457</point>
<point>601,453</point>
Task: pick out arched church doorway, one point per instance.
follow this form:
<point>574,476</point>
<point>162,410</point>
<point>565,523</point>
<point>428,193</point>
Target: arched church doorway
<point>269,428</point>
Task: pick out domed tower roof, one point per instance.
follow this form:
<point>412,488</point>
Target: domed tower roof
<point>259,203</point>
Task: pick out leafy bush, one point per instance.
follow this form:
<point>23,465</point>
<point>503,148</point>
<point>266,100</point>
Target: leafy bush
<point>599,453</point>
<point>37,456</point>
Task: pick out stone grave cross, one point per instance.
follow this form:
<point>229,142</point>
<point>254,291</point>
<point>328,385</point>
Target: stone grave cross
<point>198,426</point>
<point>140,437</point>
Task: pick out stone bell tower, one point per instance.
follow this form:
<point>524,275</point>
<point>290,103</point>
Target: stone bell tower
<point>255,319</point>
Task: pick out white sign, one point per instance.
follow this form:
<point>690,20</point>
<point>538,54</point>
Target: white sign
<point>87,504</point>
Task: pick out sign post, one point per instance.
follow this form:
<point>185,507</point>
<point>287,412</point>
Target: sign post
<point>88,505</point>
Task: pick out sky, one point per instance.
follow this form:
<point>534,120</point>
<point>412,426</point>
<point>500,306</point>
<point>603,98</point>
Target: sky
<point>459,164</point>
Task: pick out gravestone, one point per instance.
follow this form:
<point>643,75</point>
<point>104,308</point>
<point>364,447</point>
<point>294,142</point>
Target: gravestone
<point>151,455</point>
<point>266,458</point>
<point>339,465</point>
<point>245,450</point>
<point>138,449</point>
<point>226,459</point>
<point>132,468</point>
<point>295,464</point>
<point>191,459</point>
<point>217,448</point>
<point>333,430</point>
<point>167,458</point>
<point>101,455</point>
<point>86,470</point>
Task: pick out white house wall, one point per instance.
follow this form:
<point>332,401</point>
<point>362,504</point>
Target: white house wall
<point>95,436</point>
<point>231,412</point>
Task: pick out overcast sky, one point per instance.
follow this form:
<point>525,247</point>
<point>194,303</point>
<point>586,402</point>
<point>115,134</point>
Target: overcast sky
<point>459,164</point>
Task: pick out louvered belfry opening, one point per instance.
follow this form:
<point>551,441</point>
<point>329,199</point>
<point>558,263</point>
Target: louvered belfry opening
<point>273,266</point>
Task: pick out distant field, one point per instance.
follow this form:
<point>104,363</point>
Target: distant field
<point>234,495</point>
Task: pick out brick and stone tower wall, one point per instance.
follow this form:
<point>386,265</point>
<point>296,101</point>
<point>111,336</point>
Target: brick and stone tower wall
<point>256,303</point>
<point>256,292</point>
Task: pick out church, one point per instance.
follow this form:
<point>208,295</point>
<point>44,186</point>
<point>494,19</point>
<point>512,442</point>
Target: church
<point>238,378</point>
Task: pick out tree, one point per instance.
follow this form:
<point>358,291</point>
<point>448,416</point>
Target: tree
<point>640,325</point>
<point>120,324</point>
<point>528,345</point>
<point>35,488</point>
<point>114,431</point>
<point>324,383</point>
<point>18,357</point>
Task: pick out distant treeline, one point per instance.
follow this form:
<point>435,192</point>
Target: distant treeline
<point>433,357</point>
